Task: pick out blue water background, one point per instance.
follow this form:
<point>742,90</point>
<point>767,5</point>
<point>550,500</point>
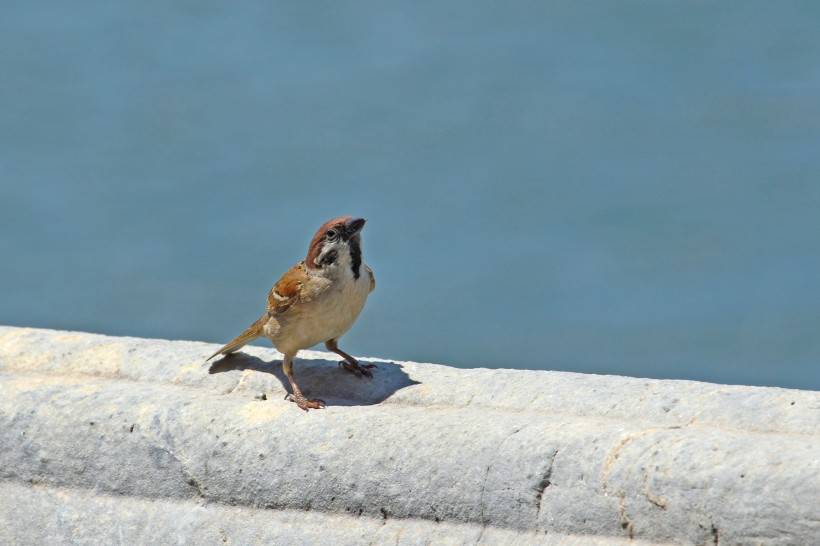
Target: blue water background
<point>612,187</point>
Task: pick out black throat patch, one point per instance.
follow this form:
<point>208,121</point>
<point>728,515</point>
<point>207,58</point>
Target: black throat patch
<point>355,255</point>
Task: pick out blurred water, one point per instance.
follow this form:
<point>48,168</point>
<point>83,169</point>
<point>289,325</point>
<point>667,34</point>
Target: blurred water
<point>626,188</point>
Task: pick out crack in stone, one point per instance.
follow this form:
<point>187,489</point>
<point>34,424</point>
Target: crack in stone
<point>626,523</point>
<point>657,501</point>
<point>543,484</point>
<point>484,521</point>
<point>610,459</point>
<point>481,534</point>
<point>481,496</point>
<point>660,502</point>
<point>190,479</point>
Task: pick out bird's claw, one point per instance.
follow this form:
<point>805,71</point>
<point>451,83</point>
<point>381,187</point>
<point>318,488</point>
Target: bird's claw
<point>304,403</point>
<point>359,370</point>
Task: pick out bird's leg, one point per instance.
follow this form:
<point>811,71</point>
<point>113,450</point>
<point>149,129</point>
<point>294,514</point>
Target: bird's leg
<point>349,363</point>
<point>297,396</point>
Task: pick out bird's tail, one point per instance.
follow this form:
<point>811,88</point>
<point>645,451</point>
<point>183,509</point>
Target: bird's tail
<point>251,332</point>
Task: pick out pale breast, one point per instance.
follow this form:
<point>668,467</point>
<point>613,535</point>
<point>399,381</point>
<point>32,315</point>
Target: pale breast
<point>326,316</point>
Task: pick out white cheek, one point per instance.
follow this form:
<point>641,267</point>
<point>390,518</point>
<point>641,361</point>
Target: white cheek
<point>326,249</point>
<point>342,255</point>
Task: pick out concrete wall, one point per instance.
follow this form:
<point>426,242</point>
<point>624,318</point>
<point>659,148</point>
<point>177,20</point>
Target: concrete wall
<point>125,440</point>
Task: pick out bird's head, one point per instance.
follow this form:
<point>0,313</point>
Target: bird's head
<point>337,245</point>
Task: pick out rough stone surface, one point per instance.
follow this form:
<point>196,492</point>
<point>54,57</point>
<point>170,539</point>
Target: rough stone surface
<point>106,440</point>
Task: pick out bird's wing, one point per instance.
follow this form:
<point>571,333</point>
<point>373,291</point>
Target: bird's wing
<point>287,290</point>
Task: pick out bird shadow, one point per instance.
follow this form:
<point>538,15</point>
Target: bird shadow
<point>325,379</point>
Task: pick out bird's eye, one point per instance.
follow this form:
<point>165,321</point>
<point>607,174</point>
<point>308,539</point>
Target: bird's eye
<point>331,234</point>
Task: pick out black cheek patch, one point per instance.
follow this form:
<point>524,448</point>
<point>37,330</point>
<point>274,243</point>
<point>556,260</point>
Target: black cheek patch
<point>330,258</point>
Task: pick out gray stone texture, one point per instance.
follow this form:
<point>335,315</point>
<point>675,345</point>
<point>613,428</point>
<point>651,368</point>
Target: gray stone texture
<point>107,440</point>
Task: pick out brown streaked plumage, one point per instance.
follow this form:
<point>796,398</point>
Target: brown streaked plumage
<point>315,301</point>
<point>286,290</point>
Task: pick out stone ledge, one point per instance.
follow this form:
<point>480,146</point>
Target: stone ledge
<point>132,430</point>
<point>34,514</point>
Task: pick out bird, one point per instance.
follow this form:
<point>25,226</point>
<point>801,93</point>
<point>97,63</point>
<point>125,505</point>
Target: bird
<point>317,300</point>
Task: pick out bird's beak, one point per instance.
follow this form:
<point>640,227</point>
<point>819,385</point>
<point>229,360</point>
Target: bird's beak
<point>354,226</point>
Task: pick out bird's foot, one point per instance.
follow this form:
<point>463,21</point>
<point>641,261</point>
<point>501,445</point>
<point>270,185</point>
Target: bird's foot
<point>304,403</point>
<point>359,370</point>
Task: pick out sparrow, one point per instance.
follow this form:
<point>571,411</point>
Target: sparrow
<point>317,300</point>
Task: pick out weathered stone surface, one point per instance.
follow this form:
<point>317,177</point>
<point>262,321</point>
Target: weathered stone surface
<point>108,439</point>
<point>51,515</point>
